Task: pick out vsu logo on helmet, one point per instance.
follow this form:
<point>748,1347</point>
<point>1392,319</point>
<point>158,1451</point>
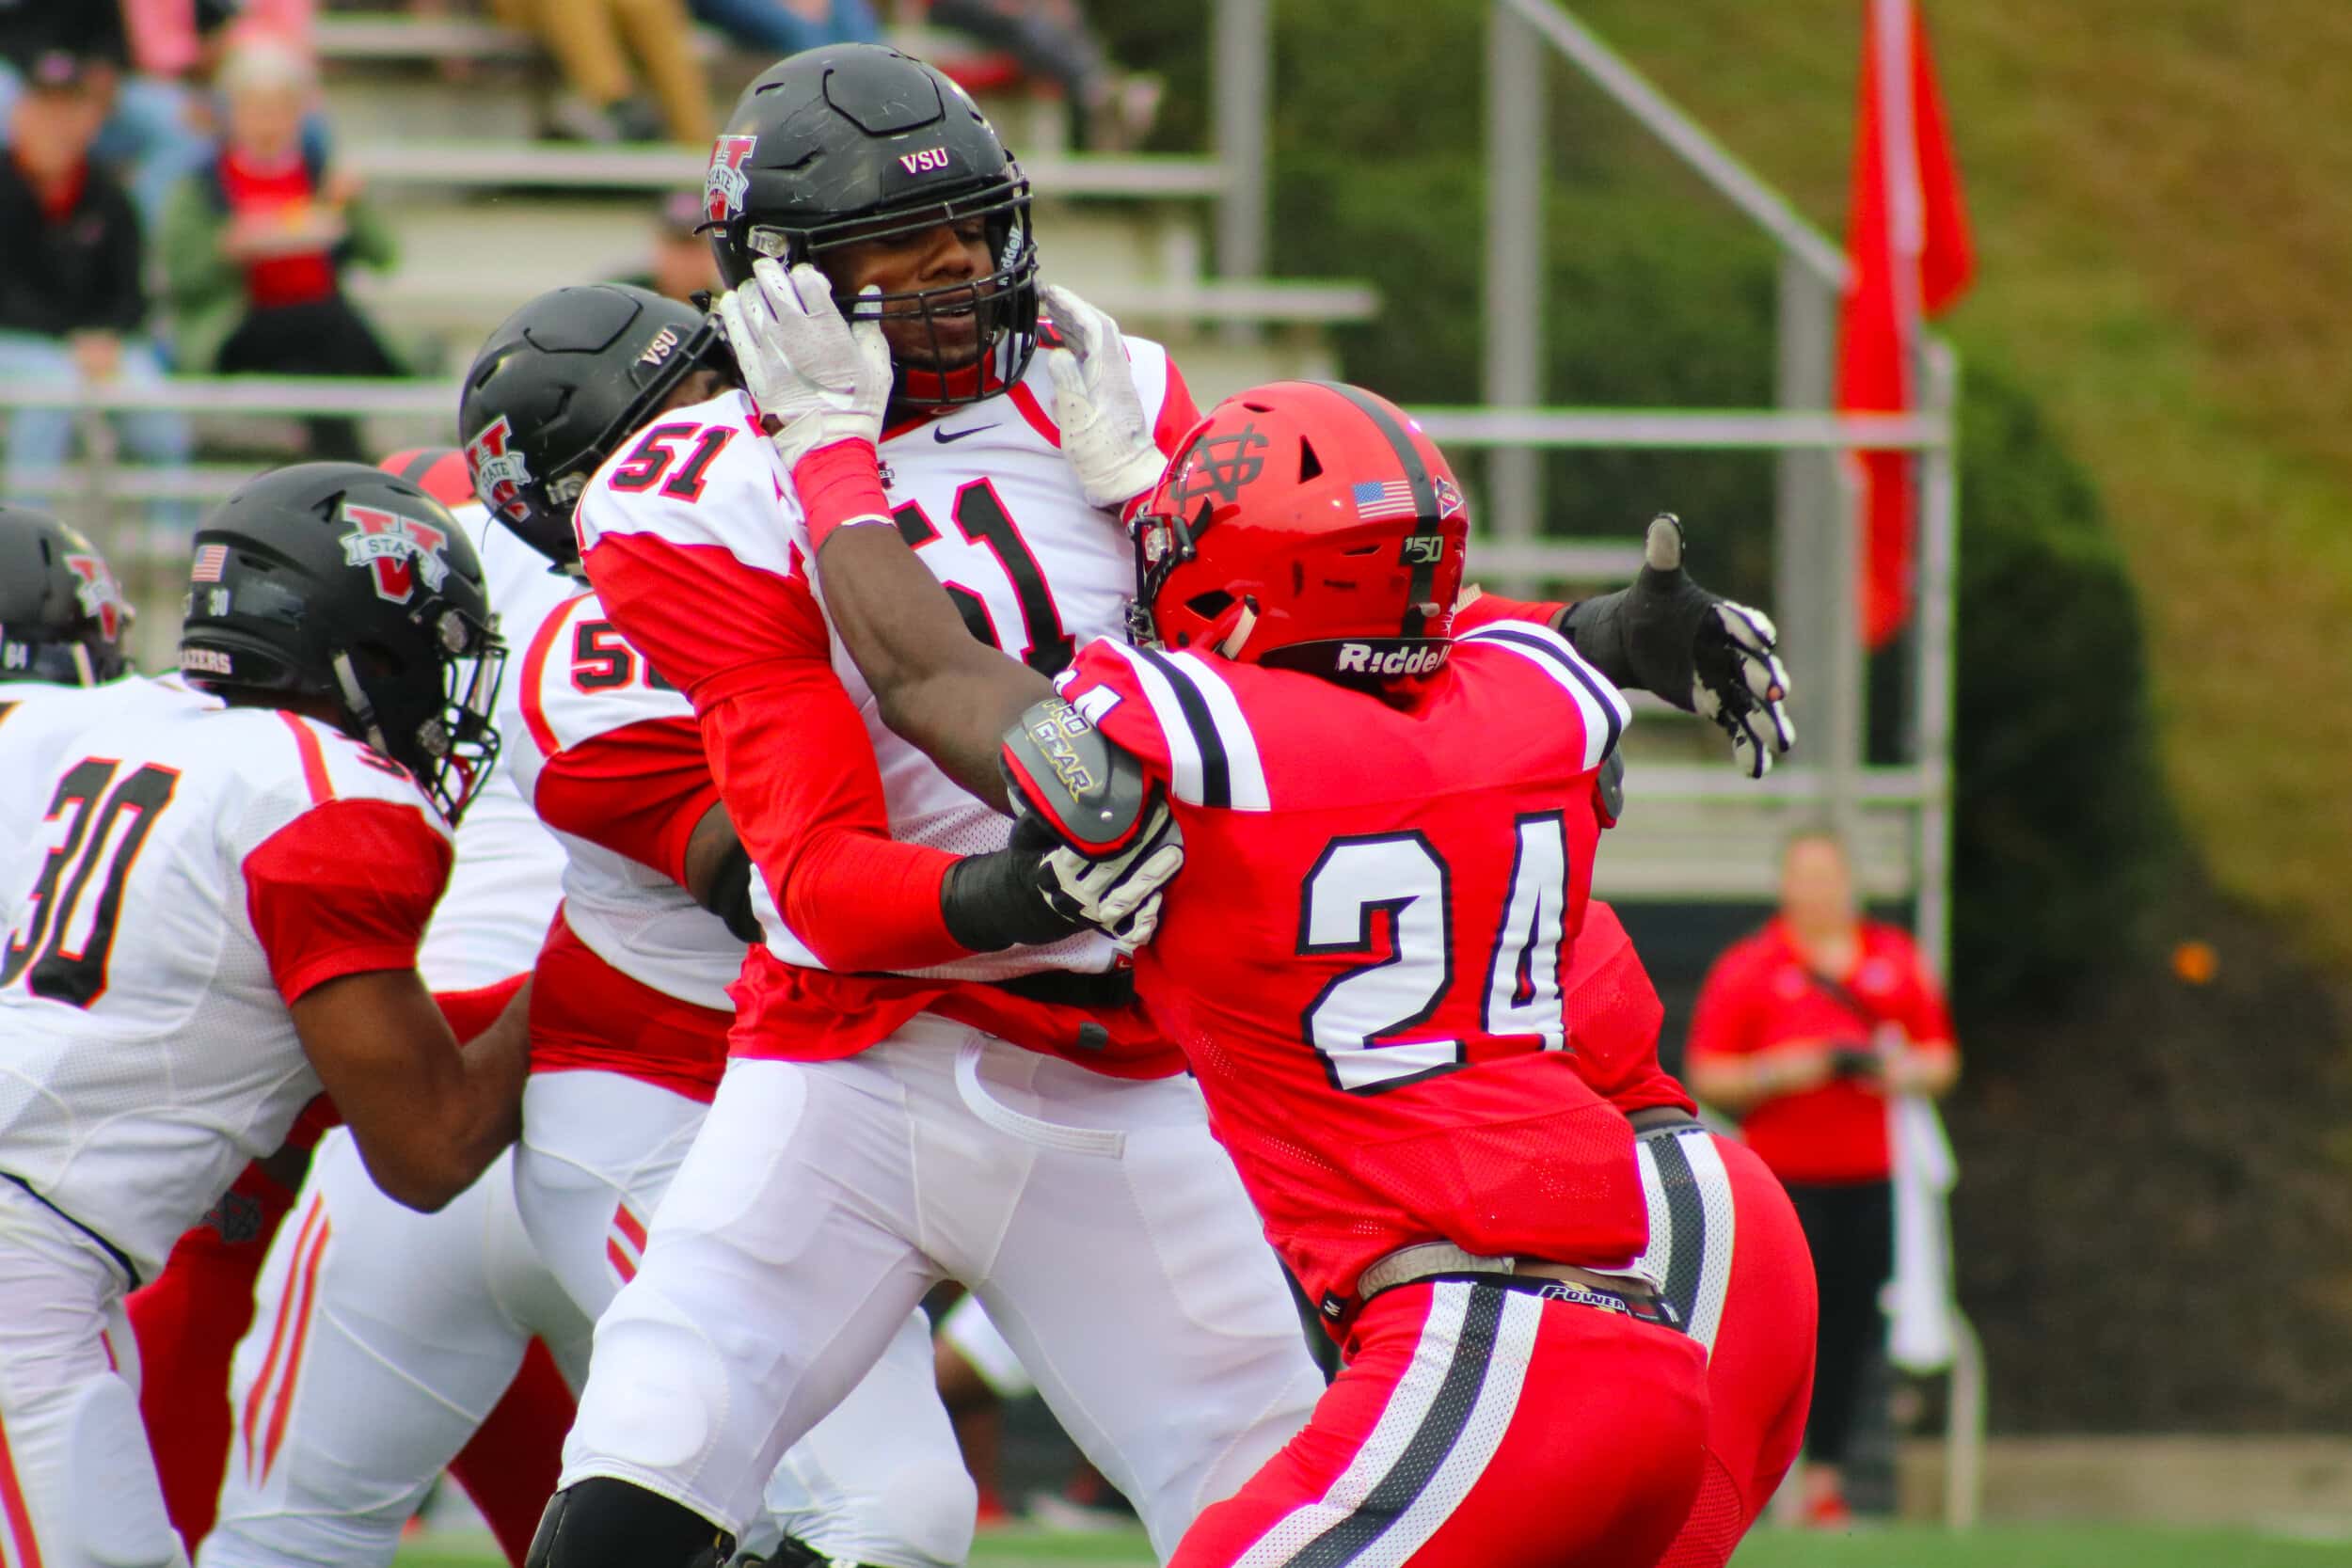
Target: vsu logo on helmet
<point>725,184</point>
<point>499,474</point>
<point>398,549</point>
<point>99,597</point>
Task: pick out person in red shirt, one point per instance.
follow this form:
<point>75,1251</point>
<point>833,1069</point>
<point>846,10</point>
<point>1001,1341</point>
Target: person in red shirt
<point>255,243</point>
<point>1802,1031</point>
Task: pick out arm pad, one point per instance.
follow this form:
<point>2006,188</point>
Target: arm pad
<point>1089,792</point>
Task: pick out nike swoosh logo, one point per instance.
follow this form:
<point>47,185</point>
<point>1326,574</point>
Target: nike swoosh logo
<point>943,435</point>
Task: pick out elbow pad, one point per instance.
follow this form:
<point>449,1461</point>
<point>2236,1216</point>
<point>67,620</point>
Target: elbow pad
<point>730,896</point>
<point>1071,788</point>
<point>1089,792</point>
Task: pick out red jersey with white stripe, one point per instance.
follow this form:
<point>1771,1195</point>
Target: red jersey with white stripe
<point>504,885</point>
<point>1364,955</point>
<point>609,757</point>
<point>695,542</point>
<point>197,870</point>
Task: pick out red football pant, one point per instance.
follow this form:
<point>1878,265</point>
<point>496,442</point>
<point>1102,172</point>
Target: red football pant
<point>1735,1260</point>
<point>188,1322</point>
<point>1476,1426</point>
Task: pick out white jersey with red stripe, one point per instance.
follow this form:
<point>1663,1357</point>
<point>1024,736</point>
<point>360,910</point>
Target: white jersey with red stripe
<point>990,504</point>
<point>605,742</point>
<point>197,870</point>
<point>504,886</point>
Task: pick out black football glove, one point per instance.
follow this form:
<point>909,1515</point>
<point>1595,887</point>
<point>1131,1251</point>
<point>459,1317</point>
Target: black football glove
<point>1040,889</point>
<point>1699,650</point>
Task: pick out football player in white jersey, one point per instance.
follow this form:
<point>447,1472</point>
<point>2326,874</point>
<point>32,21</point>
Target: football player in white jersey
<point>381,1341</point>
<point>631,1013</point>
<point>63,619</point>
<point>219,916</point>
<point>937,1070</point>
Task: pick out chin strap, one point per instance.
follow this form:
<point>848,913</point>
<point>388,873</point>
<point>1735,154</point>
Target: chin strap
<point>356,699</point>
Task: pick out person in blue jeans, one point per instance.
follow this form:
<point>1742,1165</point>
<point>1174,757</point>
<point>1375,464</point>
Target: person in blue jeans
<point>783,27</point>
<point>72,301</point>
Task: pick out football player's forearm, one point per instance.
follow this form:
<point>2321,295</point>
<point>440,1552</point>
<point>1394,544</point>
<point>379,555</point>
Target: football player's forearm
<point>945,691</point>
<point>497,1064</point>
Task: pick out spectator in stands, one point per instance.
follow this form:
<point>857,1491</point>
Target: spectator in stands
<point>256,242</point>
<point>781,27</point>
<point>1802,1031</point>
<point>72,303</point>
<point>1052,41</point>
<point>152,133</point>
<point>599,103</point>
<point>680,264</point>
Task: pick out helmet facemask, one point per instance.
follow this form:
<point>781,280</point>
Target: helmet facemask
<point>448,741</point>
<point>1004,301</point>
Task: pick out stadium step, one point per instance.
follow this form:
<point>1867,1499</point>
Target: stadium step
<point>390,73</point>
<point>482,162</point>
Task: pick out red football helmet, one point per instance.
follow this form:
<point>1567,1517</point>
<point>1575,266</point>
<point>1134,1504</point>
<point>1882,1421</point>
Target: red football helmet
<point>1323,510</point>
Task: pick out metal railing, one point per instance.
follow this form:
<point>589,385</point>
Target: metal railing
<point>1816,556</point>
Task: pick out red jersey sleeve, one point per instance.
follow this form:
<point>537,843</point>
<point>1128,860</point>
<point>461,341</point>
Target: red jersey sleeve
<point>1178,413</point>
<point>1723,1020</point>
<point>345,888</point>
<point>1103,685</point>
<point>1486,609</point>
<point>639,791</point>
<point>786,748</point>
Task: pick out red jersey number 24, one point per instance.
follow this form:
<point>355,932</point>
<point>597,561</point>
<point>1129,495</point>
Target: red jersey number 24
<point>1354,1022</point>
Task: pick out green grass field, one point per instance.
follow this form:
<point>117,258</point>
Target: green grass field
<point>2003,1546</point>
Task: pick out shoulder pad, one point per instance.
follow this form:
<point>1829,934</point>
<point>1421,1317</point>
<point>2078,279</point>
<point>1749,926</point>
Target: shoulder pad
<point>1089,790</point>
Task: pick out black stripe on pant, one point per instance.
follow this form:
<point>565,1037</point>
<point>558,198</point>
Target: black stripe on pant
<point>1851,1229</point>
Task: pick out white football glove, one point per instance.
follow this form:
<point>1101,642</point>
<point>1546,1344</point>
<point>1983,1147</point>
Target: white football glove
<point>818,379</point>
<point>1104,433</point>
<point>1120,894</point>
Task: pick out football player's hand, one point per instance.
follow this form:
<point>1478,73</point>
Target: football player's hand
<point>1104,433</point>
<point>817,378</point>
<point>1698,650</point>
<point>1040,889</point>
<point>1120,894</point>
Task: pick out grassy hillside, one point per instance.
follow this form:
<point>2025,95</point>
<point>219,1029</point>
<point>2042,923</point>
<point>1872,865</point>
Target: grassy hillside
<point>2162,191</point>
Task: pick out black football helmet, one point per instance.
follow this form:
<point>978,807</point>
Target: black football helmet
<point>62,613</point>
<point>339,581</point>
<point>559,385</point>
<point>856,141</point>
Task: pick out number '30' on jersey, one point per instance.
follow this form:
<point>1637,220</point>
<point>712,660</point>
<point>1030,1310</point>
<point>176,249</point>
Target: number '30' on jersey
<point>1363,956</point>
<point>193,871</point>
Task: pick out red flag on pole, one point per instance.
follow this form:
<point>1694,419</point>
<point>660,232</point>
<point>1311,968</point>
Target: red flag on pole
<point>1908,238</point>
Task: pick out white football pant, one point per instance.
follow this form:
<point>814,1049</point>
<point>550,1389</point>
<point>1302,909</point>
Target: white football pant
<point>77,1481</point>
<point>1097,1219</point>
<point>878,1481</point>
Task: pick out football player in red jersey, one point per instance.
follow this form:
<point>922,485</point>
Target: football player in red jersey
<point>1432,1084</point>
